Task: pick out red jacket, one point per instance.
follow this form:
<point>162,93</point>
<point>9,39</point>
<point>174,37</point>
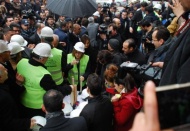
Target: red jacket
<point>125,110</point>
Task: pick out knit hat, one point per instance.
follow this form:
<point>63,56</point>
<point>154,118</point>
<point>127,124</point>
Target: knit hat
<point>114,43</point>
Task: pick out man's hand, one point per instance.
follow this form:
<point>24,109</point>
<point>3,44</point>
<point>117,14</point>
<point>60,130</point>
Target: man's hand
<point>130,29</point>
<point>74,62</point>
<point>158,64</point>
<point>82,78</point>
<point>177,8</point>
<point>32,123</point>
<point>19,79</point>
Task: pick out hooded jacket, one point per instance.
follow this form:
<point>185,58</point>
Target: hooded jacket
<point>125,110</point>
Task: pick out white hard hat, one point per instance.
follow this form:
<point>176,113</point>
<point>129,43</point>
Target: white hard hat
<point>79,46</point>
<point>19,39</point>
<point>96,14</point>
<point>43,50</point>
<point>158,6</point>
<point>46,32</point>
<point>15,48</point>
<point>3,46</point>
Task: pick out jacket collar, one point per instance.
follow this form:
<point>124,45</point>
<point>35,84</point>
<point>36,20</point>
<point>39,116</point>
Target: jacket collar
<point>36,63</point>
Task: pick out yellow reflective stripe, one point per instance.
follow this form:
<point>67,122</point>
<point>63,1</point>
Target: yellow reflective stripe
<point>55,72</point>
<point>58,79</point>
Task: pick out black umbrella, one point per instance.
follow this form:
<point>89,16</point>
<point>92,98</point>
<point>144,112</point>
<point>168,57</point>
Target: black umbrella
<point>72,8</point>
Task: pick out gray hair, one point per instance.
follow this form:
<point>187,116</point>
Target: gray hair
<point>91,19</point>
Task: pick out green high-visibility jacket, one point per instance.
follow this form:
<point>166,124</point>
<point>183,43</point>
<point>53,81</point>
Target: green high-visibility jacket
<point>32,97</point>
<point>74,71</point>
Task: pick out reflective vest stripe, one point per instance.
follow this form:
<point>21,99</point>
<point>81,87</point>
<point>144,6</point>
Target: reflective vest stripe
<point>58,79</point>
<point>55,72</point>
<point>53,65</point>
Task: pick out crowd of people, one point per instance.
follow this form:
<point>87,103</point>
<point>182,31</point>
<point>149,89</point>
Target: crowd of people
<point>45,57</point>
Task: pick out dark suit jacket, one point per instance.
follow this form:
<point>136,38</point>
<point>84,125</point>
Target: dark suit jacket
<point>73,39</point>
<point>98,114</point>
<point>83,31</point>
<point>60,123</point>
<point>9,113</point>
<point>34,39</point>
<point>136,18</point>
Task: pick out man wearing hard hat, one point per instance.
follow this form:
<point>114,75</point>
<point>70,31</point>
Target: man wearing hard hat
<point>37,80</point>
<point>157,11</point>
<point>56,64</point>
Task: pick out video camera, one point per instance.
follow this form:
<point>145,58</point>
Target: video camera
<point>144,72</point>
<point>103,29</point>
<point>144,37</point>
<point>28,13</point>
<point>105,7</point>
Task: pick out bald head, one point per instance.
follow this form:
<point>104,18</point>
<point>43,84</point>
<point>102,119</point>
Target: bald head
<point>76,29</point>
<point>117,22</point>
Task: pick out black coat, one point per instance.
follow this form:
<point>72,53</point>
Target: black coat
<point>177,60</point>
<point>98,114</point>
<point>60,123</point>
<point>73,39</point>
<point>9,117</point>
<point>34,39</point>
<point>136,18</point>
<point>136,57</point>
<point>92,53</point>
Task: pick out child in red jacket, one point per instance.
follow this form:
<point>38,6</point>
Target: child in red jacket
<point>126,103</point>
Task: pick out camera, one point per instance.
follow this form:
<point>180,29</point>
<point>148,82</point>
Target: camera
<point>103,29</point>
<point>28,13</point>
<point>143,72</point>
<point>145,37</point>
<point>105,7</point>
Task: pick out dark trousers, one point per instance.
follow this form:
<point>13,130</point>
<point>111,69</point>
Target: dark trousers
<point>29,112</point>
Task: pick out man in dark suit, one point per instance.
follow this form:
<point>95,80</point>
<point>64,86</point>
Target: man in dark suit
<point>52,105</point>
<point>74,36</point>
<point>35,38</point>
<point>98,113</point>
<point>139,15</point>
<point>84,24</point>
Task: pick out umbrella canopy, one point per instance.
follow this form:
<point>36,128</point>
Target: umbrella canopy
<point>72,8</point>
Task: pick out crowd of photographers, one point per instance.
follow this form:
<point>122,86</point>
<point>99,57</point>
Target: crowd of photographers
<point>125,48</point>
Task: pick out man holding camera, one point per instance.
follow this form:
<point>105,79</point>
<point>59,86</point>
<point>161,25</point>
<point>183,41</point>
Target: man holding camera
<point>147,46</point>
<point>102,38</point>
